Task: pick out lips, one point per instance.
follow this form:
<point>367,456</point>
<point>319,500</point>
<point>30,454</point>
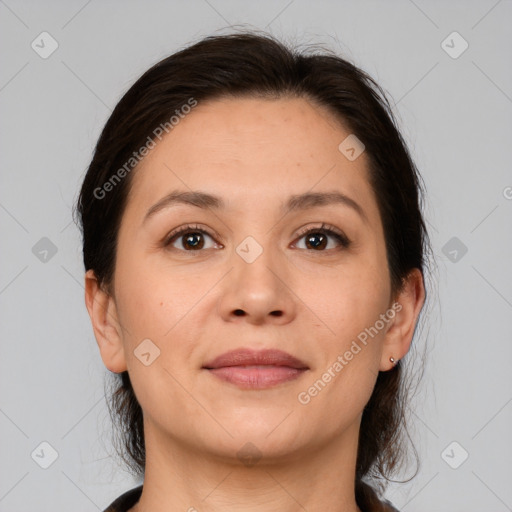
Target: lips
<point>246,357</point>
<point>251,369</point>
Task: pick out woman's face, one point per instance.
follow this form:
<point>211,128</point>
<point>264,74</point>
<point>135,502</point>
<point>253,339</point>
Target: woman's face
<point>246,276</point>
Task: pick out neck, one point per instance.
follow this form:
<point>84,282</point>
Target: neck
<point>184,478</point>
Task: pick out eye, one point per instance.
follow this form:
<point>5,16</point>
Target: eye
<point>190,238</point>
<point>317,239</point>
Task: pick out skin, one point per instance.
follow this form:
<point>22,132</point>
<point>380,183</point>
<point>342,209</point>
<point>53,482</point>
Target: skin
<point>254,153</point>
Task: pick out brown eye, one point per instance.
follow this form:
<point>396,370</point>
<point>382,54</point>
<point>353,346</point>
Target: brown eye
<point>189,239</point>
<point>192,240</point>
<point>317,239</point>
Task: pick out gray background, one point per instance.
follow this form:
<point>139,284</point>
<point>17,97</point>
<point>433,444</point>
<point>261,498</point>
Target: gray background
<point>455,114</point>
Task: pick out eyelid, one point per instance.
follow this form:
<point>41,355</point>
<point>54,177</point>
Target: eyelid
<point>323,227</point>
<point>328,228</point>
<point>182,230</point>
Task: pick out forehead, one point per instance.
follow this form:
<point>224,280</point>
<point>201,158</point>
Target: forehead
<point>254,149</point>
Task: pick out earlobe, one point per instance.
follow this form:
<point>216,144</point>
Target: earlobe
<point>102,311</point>
<point>408,307</point>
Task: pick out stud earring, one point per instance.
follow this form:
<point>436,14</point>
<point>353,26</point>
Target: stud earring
<point>392,359</point>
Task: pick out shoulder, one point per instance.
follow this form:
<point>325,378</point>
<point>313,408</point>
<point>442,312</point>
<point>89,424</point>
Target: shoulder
<point>127,500</point>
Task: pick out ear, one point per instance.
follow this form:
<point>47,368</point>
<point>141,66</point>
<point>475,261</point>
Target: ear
<point>407,307</point>
<point>102,311</point>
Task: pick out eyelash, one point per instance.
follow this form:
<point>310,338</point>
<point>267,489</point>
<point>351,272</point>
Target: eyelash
<point>329,230</point>
<point>325,229</point>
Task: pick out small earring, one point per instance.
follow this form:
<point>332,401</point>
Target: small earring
<point>392,359</point>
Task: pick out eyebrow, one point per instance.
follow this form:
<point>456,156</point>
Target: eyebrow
<point>296,202</point>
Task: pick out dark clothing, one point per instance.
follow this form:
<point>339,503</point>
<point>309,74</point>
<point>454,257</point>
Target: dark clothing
<point>130,498</point>
<point>126,501</point>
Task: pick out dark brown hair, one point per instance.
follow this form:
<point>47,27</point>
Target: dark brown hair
<point>250,64</point>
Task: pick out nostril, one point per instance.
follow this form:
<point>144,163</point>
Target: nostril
<point>239,312</point>
<point>277,313</point>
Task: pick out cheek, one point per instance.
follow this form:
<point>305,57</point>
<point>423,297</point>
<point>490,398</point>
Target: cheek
<point>345,377</point>
<point>150,299</point>
<point>152,309</point>
<point>350,300</point>
<point>166,308</point>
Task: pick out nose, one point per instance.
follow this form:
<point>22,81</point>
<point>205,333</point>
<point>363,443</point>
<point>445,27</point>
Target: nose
<point>258,291</point>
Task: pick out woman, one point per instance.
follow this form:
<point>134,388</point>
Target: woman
<point>254,251</point>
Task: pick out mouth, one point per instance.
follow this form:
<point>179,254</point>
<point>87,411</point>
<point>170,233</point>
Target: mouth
<point>249,369</point>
